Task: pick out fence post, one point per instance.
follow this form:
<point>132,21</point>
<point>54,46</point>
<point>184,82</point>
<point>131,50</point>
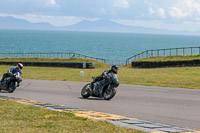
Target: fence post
<point>164,52</point>
<point>191,50</point>
<point>199,50</point>
<point>147,54</point>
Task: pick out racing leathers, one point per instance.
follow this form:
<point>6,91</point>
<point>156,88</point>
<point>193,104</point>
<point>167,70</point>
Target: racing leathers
<point>101,77</point>
<point>13,70</point>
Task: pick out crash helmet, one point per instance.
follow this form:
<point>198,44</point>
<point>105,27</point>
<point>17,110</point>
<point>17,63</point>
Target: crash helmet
<point>20,65</point>
<point>114,69</point>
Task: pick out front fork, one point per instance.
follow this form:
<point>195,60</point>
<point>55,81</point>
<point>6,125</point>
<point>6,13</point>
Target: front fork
<point>102,90</point>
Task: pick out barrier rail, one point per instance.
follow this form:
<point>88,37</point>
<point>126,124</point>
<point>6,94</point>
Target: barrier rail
<point>165,52</point>
<point>62,55</point>
<point>50,55</point>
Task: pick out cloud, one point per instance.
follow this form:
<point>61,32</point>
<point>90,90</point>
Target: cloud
<point>185,8</point>
<point>51,2</point>
<point>121,3</point>
<point>155,10</point>
<point>151,11</point>
<point>159,12</point>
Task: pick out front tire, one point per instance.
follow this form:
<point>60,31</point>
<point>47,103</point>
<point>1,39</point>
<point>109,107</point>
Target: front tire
<point>109,93</point>
<point>85,92</point>
<point>11,86</point>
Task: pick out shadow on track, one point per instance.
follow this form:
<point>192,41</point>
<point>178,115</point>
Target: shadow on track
<point>90,98</point>
<point>4,92</point>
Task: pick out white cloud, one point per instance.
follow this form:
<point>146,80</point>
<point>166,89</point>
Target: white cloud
<point>161,12</point>
<point>151,11</point>
<point>121,3</point>
<point>51,2</point>
<point>155,9</point>
<point>185,8</point>
<point>178,13</point>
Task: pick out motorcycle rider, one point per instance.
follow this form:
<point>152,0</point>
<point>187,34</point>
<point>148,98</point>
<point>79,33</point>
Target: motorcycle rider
<point>114,69</point>
<point>13,70</point>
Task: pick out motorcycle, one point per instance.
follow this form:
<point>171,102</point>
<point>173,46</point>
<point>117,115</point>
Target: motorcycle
<point>105,88</point>
<point>9,83</point>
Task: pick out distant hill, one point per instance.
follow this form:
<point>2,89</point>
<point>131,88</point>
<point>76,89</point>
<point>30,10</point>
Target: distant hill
<point>13,23</point>
<point>102,25</point>
<point>105,25</point>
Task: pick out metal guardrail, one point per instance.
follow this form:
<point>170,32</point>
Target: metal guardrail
<point>50,55</point>
<point>165,52</point>
<point>145,54</point>
<point>62,55</point>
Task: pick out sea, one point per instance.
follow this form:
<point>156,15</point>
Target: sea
<point>113,46</point>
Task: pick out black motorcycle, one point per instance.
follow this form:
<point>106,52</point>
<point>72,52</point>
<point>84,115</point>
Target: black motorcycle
<point>106,88</point>
<point>10,82</point>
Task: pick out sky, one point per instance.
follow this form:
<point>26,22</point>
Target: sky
<point>161,14</point>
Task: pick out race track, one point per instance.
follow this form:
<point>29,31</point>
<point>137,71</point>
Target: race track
<point>174,106</point>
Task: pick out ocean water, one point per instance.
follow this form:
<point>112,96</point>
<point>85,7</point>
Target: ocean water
<point>118,46</point>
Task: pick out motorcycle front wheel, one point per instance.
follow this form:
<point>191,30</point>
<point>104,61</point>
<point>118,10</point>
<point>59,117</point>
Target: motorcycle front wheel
<point>109,93</point>
<point>85,92</point>
<point>11,86</point>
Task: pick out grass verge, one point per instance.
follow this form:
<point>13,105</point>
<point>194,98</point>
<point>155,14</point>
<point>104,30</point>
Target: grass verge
<point>182,77</point>
<point>16,117</point>
<point>170,58</point>
<point>97,63</point>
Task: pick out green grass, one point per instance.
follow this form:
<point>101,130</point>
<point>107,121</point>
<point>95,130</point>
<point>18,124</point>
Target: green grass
<point>183,77</point>
<point>19,118</point>
<point>15,117</point>
<point>171,58</point>
<point>97,63</point>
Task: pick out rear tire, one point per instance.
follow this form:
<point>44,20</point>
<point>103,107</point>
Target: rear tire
<point>109,94</point>
<point>85,92</point>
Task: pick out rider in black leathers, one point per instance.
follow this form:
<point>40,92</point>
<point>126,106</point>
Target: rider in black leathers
<point>13,70</point>
<point>114,69</point>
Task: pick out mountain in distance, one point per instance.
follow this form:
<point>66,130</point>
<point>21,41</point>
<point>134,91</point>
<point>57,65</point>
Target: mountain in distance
<point>103,25</point>
<point>13,23</point>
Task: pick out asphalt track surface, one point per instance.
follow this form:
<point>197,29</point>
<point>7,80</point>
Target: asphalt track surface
<point>174,106</point>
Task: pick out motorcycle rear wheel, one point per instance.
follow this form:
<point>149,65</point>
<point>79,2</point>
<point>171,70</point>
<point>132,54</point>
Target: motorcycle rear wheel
<point>85,92</point>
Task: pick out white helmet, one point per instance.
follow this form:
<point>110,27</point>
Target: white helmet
<point>20,65</point>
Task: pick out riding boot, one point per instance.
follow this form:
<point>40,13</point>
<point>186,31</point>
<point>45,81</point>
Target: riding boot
<point>92,85</point>
<point>17,84</point>
<point>2,80</point>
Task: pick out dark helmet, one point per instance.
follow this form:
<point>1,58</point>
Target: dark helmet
<point>114,69</point>
<point>20,65</point>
